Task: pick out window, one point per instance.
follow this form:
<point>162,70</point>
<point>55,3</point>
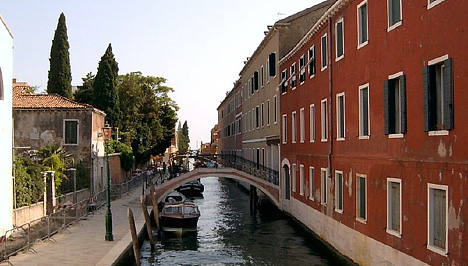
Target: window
<point>340,116</point>
<point>284,81</point>
<point>394,206</point>
<point>294,175</point>
<point>432,3</point>
<point>311,182</point>
<point>262,116</point>
<point>262,76</point>
<point>268,112</point>
<point>339,39</point>
<point>438,95</point>
<point>293,76</point>
<point>275,107</point>
<point>302,125</point>
<point>311,64</point>
<point>324,52</point>
<point>324,120</point>
<point>293,127</point>
<point>1,86</point>
<point>312,123</point>
<point>70,131</point>
<point>363,30</point>
<point>272,64</point>
<point>267,71</point>
<point>323,183</point>
<point>364,128</point>
<point>301,180</point>
<point>395,104</point>
<point>339,191</point>
<point>361,198</point>
<point>257,120</point>
<point>394,14</point>
<point>285,128</point>
<point>437,211</point>
<point>255,80</point>
<point>302,69</point>
<point>253,118</point>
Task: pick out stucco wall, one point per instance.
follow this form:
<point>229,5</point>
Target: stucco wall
<point>6,181</point>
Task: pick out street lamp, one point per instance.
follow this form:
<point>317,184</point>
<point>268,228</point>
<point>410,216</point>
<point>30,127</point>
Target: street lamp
<point>106,133</point>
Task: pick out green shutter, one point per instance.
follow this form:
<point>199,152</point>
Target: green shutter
<point>386,107</point>
<point>272,60</point>
<point>403,103</point>
<point>426,97</point>
<point>448,94</point>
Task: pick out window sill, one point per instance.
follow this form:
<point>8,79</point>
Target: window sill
<point>362,44</point>
<point>339,211</point>
<point>323,203</point>
<point>312,140</point>
<point>437,250</point>
<point>339,58</point>
<point>302,141</point>
<point>323,68</point>
<point>395,136</point>
<point>302,82</point>
<point>394,26</point>
<point>70,144</point>
<point>340,139</point>
<point>323,140</point>
<point>393,233</point>
<point>364,137</point>
<point>433,4</point>
<point>312,198</point>
<point>364,221</point>
<point>438,133</point>
<point>311,76</point>
<point>293,88</point>
<point>302,194</point>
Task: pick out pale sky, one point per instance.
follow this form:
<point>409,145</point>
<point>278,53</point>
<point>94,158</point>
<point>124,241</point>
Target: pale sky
<point>198,46</point>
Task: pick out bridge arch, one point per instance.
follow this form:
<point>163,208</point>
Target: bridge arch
<point>269,189</point>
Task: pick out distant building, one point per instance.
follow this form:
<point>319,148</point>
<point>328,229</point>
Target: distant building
<point>42,119</point>
<point>374,128</point>
<point>229,123</point>
<point>6,125</point>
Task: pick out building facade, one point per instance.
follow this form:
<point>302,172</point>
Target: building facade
<point>373,126</point>
<point>229,135</point>
<point>52,119</point>
<point>6,126</point>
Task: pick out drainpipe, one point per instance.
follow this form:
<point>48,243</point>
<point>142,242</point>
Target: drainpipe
<point>330,105</point>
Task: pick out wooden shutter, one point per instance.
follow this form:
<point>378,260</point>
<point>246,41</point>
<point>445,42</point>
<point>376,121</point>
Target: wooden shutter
<point>426,97</point>
<point>448,94</point>
<point>386,107</point>
<point>272,59</point>
<point>403,103</point>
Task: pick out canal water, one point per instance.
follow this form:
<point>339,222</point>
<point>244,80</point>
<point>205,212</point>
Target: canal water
<point>228,234</point>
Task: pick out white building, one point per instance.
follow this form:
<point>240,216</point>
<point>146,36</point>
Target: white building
<point>6,127</point>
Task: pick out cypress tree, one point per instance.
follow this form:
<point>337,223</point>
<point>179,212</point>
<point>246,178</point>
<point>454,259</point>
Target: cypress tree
<point>60,72</point>
<point>105,95</point>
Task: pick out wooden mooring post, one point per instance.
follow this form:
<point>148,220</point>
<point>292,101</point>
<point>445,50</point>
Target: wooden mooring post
<point>136,249</point>
<point>155,207</point>
<point>147,221</point>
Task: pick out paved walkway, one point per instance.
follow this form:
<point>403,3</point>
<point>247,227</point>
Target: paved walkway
<point>83,243</point>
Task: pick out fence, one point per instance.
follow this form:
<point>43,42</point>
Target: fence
<point>24,236</point>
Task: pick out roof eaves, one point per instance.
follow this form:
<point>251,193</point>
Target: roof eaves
<point>6,26</point>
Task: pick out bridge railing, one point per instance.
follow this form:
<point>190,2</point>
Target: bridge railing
<point>249,167</point>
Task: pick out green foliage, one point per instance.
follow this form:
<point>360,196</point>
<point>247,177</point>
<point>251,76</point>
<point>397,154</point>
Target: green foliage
<point>105,96</point>
<point>183,138</point>
<point>29,182</point>
<point>127,160</point>
<point>84,94</point>
<point>55,158</point>
<point>60,72</point>
<point>82,175</point>
<point>148,114</point>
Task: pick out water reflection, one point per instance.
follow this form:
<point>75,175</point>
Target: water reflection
<point>228,234</point>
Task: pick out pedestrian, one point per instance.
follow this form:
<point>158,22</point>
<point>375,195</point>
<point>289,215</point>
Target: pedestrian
<point>164,167</point>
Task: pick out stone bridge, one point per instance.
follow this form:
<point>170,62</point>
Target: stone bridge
<point>269,189</point>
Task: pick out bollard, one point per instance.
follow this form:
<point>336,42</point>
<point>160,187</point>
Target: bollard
<point>136,250</point>
<point>155,207</point>
<point>148,222</point>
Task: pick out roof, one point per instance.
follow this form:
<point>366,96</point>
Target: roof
<point>46,101</point>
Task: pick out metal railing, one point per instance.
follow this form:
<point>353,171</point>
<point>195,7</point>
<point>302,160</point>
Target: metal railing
<point>24,236</point>
<point>250,167</point>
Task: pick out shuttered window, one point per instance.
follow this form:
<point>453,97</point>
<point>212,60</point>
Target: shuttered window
<point>71,131</point>
<point>324,51</point>
<point>363,36</point>
<point>272,64</point>
<point>339,191</point>
<point>394,12</point>
<point>339,39</point>
<point>301,69</point>
<point>437,218</point>
<point>255,80</point>
<point>364,130</point>
<point>323,183</point>
<point>394,206</point>
<point>284,82</point>
<point>395,105</point>
<point>293,76</point>
<point>311,182</point>
<point>340,116</point>
<point>361,197</point>
<point>311,66</point>
<point>438,96</point>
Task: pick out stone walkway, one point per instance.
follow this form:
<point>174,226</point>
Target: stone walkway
<point>83,243</point>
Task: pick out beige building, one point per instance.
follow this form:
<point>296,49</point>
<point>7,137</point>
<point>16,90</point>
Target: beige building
<point>260,92</point>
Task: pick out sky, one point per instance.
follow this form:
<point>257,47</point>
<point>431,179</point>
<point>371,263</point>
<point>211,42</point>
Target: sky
<point>198,46</point>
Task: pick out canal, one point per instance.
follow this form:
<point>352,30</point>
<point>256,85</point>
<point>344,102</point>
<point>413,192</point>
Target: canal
<point>228,234</point>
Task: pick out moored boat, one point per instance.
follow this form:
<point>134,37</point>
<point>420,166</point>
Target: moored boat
<point>179,218</point>
<point>192,188</point>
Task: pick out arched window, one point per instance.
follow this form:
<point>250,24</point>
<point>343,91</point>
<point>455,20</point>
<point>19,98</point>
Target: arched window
<point>1,85</point>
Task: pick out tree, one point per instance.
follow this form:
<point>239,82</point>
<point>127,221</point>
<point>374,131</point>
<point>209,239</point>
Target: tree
<point>183,138</point>
<point>127,160</point>
<point>29,182</point>
<point>60,72</point>
<point>84,94</point>
<point>55,158</point>
<point>105,96</point>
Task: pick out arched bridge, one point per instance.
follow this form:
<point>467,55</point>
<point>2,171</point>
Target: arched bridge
<point>265,179</point>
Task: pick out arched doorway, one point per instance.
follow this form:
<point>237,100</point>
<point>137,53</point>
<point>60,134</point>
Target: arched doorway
<point>287,191</point>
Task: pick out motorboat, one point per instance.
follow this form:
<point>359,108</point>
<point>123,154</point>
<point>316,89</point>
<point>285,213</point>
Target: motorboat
<point>192,188</point>
<point>172,197</point>
<point>179,218</point>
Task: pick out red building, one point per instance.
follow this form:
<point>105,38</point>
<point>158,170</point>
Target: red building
<point>373,131</point>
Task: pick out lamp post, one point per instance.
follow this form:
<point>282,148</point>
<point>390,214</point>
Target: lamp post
<point>106,133</point>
